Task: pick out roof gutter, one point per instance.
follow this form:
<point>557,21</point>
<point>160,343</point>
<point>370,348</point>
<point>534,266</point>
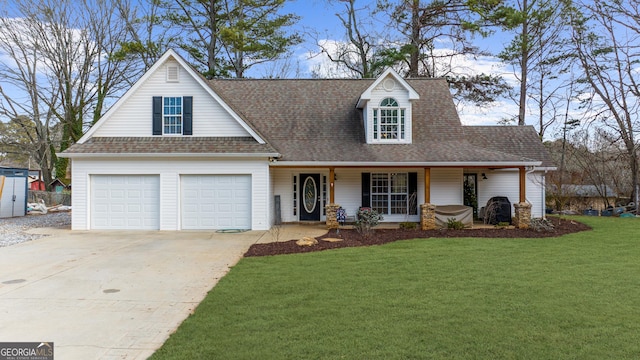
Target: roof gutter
<point>503,164</point>
<point>166,155</point>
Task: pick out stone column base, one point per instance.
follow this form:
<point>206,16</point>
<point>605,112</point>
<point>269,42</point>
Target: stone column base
<point>522,218</point>
<point>332,219</point>
<point>427,216</point>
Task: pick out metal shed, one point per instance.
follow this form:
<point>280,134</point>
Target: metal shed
<point>13,192</point>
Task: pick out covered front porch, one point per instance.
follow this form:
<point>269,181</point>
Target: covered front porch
<point>403,194</point>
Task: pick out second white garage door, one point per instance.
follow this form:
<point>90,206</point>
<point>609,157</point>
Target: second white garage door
<point>216,202</point>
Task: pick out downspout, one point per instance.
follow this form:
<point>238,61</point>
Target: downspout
<point>526,177</point>
<point>544,195</point>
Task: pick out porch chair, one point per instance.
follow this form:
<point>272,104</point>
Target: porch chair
<point>341,216</point>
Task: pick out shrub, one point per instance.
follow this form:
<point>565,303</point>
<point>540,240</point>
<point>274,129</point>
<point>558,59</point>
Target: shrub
<point>453,223</point>
<point>539,224</point>
<point>408,225</point>
<point>367,219</point>
<point>502,224</point>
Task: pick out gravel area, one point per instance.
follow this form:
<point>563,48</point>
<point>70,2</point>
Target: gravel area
<point>12,230</point>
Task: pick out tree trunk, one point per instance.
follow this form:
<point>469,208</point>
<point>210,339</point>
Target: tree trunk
<point>524,64</point>
<point>414,59</point>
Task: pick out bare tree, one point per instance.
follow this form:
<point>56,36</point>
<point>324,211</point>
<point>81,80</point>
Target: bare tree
<point>23,99</point>
<point>364,51</point>
<point>60,71</point>
<point>433,36</point>
<point>608,58</point>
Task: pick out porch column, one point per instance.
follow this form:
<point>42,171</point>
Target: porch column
<point>427,217</point>
<point>332,177</point>
<point>523,185</point>
<point>427,210</point>
<point>331,218</point>
<point>427,185</point>
<point>522,218</point>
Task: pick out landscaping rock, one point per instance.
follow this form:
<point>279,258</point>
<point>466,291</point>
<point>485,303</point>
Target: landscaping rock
<point>307,241</point>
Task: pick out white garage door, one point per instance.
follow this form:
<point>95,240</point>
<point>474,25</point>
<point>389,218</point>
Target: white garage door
<point>216,202</point>
<point>125,202</point>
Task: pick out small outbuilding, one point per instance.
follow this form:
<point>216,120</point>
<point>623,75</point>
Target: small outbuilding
<point>58,186</point>
<point>13,192</point>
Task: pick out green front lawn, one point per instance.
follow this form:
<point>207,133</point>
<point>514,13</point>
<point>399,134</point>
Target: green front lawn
<point>573,297</point>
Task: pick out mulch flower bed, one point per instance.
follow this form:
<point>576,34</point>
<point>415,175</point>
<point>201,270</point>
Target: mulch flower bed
<point>351,237</point>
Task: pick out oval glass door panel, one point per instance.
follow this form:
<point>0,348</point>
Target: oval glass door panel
<point>310,194</point>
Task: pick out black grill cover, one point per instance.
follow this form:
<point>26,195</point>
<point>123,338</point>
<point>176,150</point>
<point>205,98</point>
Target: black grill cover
<point>498,210</point>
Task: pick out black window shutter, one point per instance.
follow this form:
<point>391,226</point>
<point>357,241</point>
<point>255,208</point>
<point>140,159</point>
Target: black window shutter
<point>157,115</point>
<point>187,115</point>
<point>366,190</point>
<point>413,193</point>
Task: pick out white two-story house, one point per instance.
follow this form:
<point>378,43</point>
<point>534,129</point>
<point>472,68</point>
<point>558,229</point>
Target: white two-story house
<point>178,151</point>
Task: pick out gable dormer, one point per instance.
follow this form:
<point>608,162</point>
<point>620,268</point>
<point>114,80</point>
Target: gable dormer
<point>386,108</point>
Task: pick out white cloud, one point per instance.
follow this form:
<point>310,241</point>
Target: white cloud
<point>450,64</point>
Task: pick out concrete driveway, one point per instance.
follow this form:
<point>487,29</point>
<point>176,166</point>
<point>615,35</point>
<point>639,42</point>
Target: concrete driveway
<point>110,295</point>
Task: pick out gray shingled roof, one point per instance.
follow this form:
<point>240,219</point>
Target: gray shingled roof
<point>317,120</point>
<point>312,120</point>
<point>519,140</point>
<point>171,145</point>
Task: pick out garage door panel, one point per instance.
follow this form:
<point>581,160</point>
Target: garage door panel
<point>128,202</point>
<point>216,201</point>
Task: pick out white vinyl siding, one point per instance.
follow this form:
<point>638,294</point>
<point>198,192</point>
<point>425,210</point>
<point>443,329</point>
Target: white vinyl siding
<point>446,186</point>
<point>535,193</point>
<point>378,94</point>
<point>169,172</point>
<point>507,183</point>
<point>134,117</point>
<point>499,183</point>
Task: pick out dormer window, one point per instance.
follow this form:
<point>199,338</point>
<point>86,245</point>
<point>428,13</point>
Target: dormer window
<point>389,121</point>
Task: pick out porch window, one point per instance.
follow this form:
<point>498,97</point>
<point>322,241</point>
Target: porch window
<point>295,195</point>
<point>389,121</point>
<point>390,193</point>
<point>324,195</point>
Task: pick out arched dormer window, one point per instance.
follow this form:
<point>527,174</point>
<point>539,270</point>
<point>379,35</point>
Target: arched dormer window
<point>388,121</point>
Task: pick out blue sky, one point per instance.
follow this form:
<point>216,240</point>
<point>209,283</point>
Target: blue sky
<point>317,14</point>
<point>320,15</point>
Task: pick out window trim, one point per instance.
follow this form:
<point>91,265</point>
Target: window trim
<point>389,193</point>
<point>399,120</point>
<point>179,116</point>
<point>158,116</point>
